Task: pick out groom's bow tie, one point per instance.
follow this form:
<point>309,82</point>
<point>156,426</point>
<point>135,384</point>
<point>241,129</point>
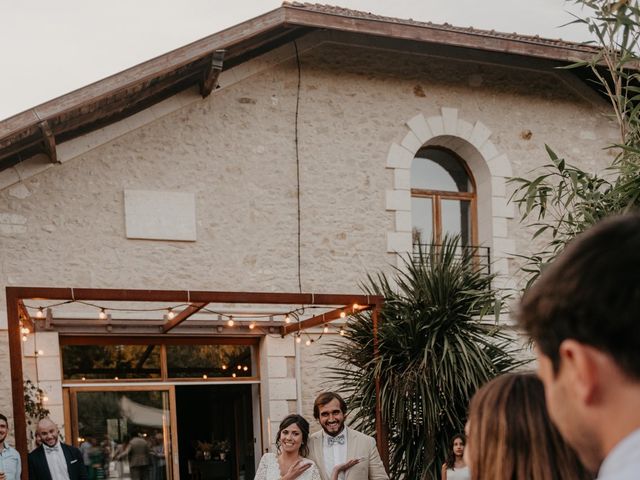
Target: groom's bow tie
<point>339,439</point>
<point>55,448</point>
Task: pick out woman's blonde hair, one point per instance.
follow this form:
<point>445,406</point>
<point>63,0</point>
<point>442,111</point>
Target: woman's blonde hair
<point>511,436</point>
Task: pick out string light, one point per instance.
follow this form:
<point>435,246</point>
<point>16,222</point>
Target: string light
<point>83,378</point>
<point>287,318</point>
<point>116,378</point>
<point>343,314</point>
<point>45,399</point>
<point>233,375</point>
<point>170,314</point>
<point>245,368</point>
<point>40,313</point>
<point>24,338</point>
<point>103,314</point>
<point>239,367</point>
<point>307,343</point>
<point>325,329</point>
<point>204,376</point>
<point>298,339</point>
<point>252,325</point>
<point>342,332</point>
<point>39,352</point>
<point>25,331</point>
<point>230,322</point>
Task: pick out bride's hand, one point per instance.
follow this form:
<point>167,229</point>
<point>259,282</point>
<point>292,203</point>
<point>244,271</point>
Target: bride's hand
<point>296,470</point>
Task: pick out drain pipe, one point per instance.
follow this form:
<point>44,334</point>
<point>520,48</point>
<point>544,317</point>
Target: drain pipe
<point>298,373</point>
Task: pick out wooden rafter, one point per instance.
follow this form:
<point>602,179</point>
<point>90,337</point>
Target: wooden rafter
<point>49,140</point>
<point>25,317</point>
<point>323,318</point>
<point>182,316</point>
<point>211,73</point>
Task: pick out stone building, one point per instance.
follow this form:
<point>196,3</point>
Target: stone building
<point>295,152</point>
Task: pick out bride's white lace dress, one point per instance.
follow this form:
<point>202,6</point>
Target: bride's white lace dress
<point>270,470</point>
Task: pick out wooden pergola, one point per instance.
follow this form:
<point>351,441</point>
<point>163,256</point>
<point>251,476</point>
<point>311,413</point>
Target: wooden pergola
<point>331,306</point>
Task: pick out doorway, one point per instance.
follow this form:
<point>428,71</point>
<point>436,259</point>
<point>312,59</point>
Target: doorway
<point>216,438</point>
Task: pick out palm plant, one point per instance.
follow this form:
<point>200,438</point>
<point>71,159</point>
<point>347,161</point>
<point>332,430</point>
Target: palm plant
<point>435,350</point>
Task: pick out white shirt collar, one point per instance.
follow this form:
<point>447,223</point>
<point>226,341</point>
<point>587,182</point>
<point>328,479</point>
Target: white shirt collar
<point>623,461</point>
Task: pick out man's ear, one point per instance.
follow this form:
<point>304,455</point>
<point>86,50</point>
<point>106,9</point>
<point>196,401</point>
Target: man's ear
<point>579,363</point>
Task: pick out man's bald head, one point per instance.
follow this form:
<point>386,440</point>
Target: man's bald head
<point>48,431</point>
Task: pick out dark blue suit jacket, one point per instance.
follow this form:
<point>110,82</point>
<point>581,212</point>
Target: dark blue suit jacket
<point>39,468</point>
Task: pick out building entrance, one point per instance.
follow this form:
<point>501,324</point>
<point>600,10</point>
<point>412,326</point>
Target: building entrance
<point>216,438</point>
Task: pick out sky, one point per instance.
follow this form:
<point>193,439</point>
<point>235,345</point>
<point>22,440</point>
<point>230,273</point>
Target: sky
<point>49,48</point>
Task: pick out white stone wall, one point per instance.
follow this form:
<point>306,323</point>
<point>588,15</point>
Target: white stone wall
<point>363,113</point>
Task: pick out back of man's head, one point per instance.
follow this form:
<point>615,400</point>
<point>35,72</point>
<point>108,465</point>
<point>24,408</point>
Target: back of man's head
<point>591,293</point>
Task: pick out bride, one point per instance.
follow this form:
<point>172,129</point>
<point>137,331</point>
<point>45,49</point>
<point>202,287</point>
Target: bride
<point>290,463</point>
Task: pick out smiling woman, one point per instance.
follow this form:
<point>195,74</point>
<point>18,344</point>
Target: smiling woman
<point>292,446</point>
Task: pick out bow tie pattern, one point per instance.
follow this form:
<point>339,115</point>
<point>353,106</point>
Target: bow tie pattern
<point>55,448</point>
<point>338,439</point>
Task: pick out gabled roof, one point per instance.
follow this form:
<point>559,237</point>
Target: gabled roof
<point>39,129</point>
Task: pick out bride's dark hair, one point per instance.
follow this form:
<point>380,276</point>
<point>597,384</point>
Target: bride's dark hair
<point>302,424</point>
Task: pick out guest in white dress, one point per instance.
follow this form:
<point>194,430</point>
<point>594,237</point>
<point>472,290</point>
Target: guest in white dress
<point>510,435</point>
<point>290,462</point>
<point>455,468</point>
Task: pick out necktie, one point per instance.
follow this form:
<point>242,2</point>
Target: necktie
<point>338,439</point>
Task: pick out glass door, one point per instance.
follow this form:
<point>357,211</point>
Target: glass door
<point>125,433</point>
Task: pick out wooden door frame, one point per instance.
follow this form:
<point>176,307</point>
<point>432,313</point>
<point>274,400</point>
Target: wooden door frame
<point>71,428</point>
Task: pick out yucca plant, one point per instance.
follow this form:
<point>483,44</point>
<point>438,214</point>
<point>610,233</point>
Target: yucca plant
<point>435,350</point>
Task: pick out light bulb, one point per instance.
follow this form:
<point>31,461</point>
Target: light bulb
<point>204,376</point>
<point>230,322</point>
<point>252,325</point>
<point>40,352</point>
<point>84,378</point>
<point>356,306</point>
<point>224,367</point>
<point>239,367</point>
<point>325,329</point>
<point>343,314</point>
<point>245,368</point>
<point>116,378</point>
<point>307,343</point>
<point>170,314</point>
<point>287,319</point>
<point>24,338</point>
<point>342,332</point>
<point>25,330</point>
<point>45,399</point>
<point>103,314</point>
<point>298,339</point>
<point>40,313</point>
<point>233,375</point>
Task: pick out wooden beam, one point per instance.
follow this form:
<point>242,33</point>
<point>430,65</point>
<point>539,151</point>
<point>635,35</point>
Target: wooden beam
<point>211,73</point>
<point>49,140</point>
<point>182,316</point>
<point>382,436</point>
<point>25,317</point>
<point>17,379</point>
<point>323,318</point>
<point>191,296</point>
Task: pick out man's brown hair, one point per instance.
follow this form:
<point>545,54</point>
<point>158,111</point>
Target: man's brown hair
<point>325,398</point>
<point>591,293</point>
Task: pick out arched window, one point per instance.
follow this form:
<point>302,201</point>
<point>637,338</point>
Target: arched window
<point>443,197</point>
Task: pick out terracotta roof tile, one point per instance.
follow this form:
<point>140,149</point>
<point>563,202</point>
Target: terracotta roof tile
<point>346,12</point>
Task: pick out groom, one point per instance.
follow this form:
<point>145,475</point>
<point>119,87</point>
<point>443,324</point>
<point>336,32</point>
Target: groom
<point>338,445</point>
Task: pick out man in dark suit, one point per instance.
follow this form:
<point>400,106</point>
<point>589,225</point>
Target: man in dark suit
<point>53,460</point>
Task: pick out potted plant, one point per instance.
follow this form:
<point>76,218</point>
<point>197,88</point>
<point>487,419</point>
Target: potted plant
<point>204,450</point>
<point>223,447</point>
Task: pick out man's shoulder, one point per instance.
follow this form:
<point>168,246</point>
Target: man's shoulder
<point>36,451</point>
<point>356,434</point>
<point>316,435</point>
<point>71,448</point>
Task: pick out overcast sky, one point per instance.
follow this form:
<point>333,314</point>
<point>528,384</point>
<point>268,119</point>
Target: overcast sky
<point>51,47</point>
